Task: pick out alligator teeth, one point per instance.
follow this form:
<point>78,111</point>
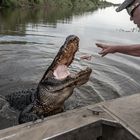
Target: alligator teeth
<point>65,51</point>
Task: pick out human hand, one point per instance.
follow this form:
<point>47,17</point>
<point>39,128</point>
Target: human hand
<point>105,49</point>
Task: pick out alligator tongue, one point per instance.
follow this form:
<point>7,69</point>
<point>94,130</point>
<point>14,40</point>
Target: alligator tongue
<point>61,72</point>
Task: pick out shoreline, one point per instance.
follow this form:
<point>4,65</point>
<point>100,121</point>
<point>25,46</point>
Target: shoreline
<point>88,4</point>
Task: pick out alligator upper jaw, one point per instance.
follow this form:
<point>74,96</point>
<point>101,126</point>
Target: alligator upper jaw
<point>65,56</point>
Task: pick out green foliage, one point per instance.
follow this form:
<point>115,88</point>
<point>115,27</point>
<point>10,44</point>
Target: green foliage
<point>79,4</point>
<point>96,1</point>
<point>20,3</point>
<point>8,3</point>
<point>59,3</point>
<point>83,4</point>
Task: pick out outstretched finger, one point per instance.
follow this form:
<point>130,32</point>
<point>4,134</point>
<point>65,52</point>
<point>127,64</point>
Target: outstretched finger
<point>103,46</point>
<point>100,45</point>
<point>103,53</point>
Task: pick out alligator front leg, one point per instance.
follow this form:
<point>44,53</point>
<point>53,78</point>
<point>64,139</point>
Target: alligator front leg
<point>28,115</point>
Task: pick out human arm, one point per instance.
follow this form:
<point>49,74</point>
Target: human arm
<point>133,50</point>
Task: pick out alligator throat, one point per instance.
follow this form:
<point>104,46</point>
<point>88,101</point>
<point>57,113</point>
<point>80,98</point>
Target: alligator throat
<point>61,72</point>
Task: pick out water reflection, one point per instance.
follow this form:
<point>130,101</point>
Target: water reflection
<point>15,21</point>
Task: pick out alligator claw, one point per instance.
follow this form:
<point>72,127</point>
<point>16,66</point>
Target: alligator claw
<point>33,117</point>
<point>28,117</point>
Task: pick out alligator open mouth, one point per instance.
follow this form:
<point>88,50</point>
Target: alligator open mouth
<point>58,73</point>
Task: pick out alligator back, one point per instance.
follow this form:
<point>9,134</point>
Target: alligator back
<point>19,100</point>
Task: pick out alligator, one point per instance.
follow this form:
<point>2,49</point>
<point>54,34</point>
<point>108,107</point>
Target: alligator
<point>55,87</point>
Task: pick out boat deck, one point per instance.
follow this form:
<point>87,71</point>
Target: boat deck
<point>112,120</point>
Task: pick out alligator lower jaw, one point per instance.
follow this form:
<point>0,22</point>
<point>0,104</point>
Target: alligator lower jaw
<point>75,80</point>
<point>82,77</point>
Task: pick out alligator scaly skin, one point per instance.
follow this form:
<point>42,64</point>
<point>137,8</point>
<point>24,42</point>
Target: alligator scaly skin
<point>49,96</point>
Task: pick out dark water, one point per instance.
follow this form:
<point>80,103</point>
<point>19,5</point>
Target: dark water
<point>30,39</point>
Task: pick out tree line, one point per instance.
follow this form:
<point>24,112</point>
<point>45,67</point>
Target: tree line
<point>29,3</point>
